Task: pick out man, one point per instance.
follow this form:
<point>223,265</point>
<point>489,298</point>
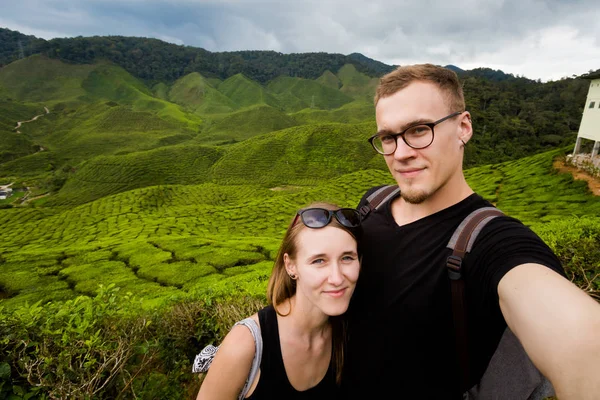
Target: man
<point>401,335</point>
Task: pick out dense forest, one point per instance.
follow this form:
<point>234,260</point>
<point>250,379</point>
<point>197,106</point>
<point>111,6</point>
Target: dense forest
<point>153,60</point>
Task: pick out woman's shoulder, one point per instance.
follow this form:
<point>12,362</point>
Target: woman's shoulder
<point>239,344</point>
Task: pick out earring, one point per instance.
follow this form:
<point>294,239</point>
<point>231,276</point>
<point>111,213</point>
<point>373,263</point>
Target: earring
<point>293,277</point>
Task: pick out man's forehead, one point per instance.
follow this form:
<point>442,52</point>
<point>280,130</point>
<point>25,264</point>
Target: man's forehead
<point>412,104</point>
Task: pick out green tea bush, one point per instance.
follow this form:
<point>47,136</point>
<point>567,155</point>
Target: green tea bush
<point>109,347</point>
<point>576,241</point>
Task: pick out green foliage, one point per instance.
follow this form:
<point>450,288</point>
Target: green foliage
<point>306,93</point>
<point>357,84</point>
<point>245,92</point>
<point>155,60</point>
<point>576,241</point>
<point>531,190</point>
<point>39,79</point>
<point>196,94</point>
<point>517,117</point>
<point>303,155</point>
<point>330,80</point>
<point>11,44</point>
<point>244,124</point>
<point>356,112</point>
<point>107,175</point>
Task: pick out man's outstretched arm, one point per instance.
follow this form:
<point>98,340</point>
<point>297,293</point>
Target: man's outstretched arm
<point>558,324</point>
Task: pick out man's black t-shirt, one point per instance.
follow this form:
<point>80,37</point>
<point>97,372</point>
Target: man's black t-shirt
<point>401,338</point>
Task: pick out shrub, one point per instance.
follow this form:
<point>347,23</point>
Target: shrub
<point>108,347</point>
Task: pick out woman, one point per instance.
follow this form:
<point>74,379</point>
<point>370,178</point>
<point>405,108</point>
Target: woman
<point>302,328</point>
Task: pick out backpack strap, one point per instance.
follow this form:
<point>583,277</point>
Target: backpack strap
<point>377,198</point>
<point>461,243</point>
<point>258,347</point>
<point>204,359</point>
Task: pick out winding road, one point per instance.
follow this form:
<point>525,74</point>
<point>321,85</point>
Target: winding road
<point>31,120</point>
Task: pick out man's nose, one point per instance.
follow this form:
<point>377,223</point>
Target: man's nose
<point>403,151</point>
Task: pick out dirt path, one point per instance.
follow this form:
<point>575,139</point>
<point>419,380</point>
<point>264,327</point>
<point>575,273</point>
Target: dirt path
<point>593,182</point>
<point>26,199</point>
<point>31,120</point>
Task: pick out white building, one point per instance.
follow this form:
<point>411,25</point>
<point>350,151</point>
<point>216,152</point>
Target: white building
<point>5,192</point>
<point>590,121</point>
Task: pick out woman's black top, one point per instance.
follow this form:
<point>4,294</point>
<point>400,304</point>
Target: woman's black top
<point>273,382</point>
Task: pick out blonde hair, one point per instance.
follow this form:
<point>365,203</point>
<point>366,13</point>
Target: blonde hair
<point>445,79</point>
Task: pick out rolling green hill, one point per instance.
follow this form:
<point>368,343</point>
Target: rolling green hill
<point>330,80</point>
<point>357,84</point>
<point>60,249</point>
<point>355,112</point>
<point>245,92</point>
<point>196,94</point>
<point>40,79</point>
<point>108,175</point>
<point>244,124</point>
<point>12,144</point>
<point>303,155</point>
<point>308,93</point>
<point>14,111</point>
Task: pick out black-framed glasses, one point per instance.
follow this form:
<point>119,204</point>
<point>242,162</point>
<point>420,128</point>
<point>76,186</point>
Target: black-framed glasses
<point>416,136</point>
<point>321,217</point>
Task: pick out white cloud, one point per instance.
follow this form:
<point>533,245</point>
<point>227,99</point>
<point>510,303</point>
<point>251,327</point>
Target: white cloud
<point>545,39</point>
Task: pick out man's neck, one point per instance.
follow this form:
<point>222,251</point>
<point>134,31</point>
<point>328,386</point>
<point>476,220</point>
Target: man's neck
<point>450,194</point>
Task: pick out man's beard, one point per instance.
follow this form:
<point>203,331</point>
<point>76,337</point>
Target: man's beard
<point>416,197</point>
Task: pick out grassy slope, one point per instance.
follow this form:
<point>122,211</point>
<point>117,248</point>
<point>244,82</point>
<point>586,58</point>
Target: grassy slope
<point>298,155</point>
<point>357,84</point>
<point>330,80</point>
<point>245,92</point>
<point>43,80</point>
<point>161,91</point>
<point>194,93</point>
<point>241,125</point>
<point>355,112</point>
<point>107,175</point>
<point>12,144</point>
<point>114,83</point>
<point>109,112</point>
<point>309,93</point>
<point>165,241</point>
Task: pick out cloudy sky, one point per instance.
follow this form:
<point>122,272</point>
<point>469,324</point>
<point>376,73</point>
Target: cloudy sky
<point>538,39</point>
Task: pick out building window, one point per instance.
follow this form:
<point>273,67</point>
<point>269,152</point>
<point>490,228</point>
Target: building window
<point>592,104</point>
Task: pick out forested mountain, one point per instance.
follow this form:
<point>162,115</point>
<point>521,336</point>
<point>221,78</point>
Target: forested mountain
<point>154,60</point>
<point>161,94</point>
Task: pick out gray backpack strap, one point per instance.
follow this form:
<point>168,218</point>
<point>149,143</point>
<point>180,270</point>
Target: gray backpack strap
<point>255,330</point>
<point>472,224</point>
<point>377,198</point>
<point>461,243</point>
<point>203,360</point>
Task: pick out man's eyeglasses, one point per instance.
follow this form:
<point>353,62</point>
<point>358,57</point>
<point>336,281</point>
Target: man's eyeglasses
<point>321,217</point>
<point>417,136</point>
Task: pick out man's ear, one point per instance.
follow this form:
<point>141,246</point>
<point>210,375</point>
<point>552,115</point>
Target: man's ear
<point>290,266</point>
<point>466,127</point>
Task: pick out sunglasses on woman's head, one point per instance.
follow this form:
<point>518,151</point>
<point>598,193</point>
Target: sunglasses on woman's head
<point>320,217</point>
